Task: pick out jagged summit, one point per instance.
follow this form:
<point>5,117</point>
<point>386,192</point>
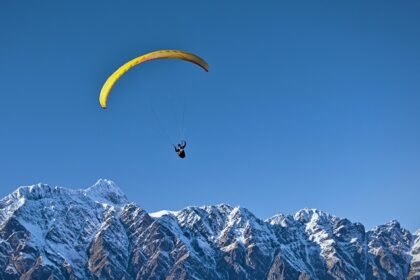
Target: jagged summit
<point>95,233</point>
<point>305,215</point>
<point>103,190</point>
<point>104,185</point>
<point>107,191</point>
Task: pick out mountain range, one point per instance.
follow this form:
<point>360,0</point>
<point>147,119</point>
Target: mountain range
<point>96,233</point>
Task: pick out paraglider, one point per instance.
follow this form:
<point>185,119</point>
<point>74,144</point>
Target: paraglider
<point>161,54</point>
<point>179,149</point>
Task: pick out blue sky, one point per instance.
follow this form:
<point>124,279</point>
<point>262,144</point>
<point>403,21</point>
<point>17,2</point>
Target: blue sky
<point>307,103</point>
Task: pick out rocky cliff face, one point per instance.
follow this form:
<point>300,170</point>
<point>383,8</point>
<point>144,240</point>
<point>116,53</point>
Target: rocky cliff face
<point>56,233</point>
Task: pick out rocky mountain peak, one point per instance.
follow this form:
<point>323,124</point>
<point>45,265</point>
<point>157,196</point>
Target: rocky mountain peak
<point>307,215</point>
<point>106,191</point>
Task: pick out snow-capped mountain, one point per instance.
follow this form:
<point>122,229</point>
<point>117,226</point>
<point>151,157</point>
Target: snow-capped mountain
<point>57,233</point>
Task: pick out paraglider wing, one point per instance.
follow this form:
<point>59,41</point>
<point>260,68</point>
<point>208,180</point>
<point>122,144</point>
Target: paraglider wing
<point>106,88</point>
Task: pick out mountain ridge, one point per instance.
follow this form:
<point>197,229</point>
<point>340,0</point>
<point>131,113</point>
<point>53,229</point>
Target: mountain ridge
<point>96,233</point>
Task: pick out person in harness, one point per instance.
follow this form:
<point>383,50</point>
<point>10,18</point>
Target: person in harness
<point>179,149</point>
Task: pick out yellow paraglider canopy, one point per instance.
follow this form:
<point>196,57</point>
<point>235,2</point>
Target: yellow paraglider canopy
<point>106,88</point>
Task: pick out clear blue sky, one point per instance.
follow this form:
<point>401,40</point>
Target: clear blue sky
<point>307,103</point>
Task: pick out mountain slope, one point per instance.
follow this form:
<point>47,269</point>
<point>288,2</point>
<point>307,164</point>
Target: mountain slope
<point>56,233</point>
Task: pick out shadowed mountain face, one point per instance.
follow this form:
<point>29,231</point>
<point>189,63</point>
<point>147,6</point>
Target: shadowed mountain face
<point>56,233</point>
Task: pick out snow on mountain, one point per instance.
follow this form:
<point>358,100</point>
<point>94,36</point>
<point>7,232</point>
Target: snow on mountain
<point>415,253</point>
<point>106,191</point>
<point>56,233</point>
